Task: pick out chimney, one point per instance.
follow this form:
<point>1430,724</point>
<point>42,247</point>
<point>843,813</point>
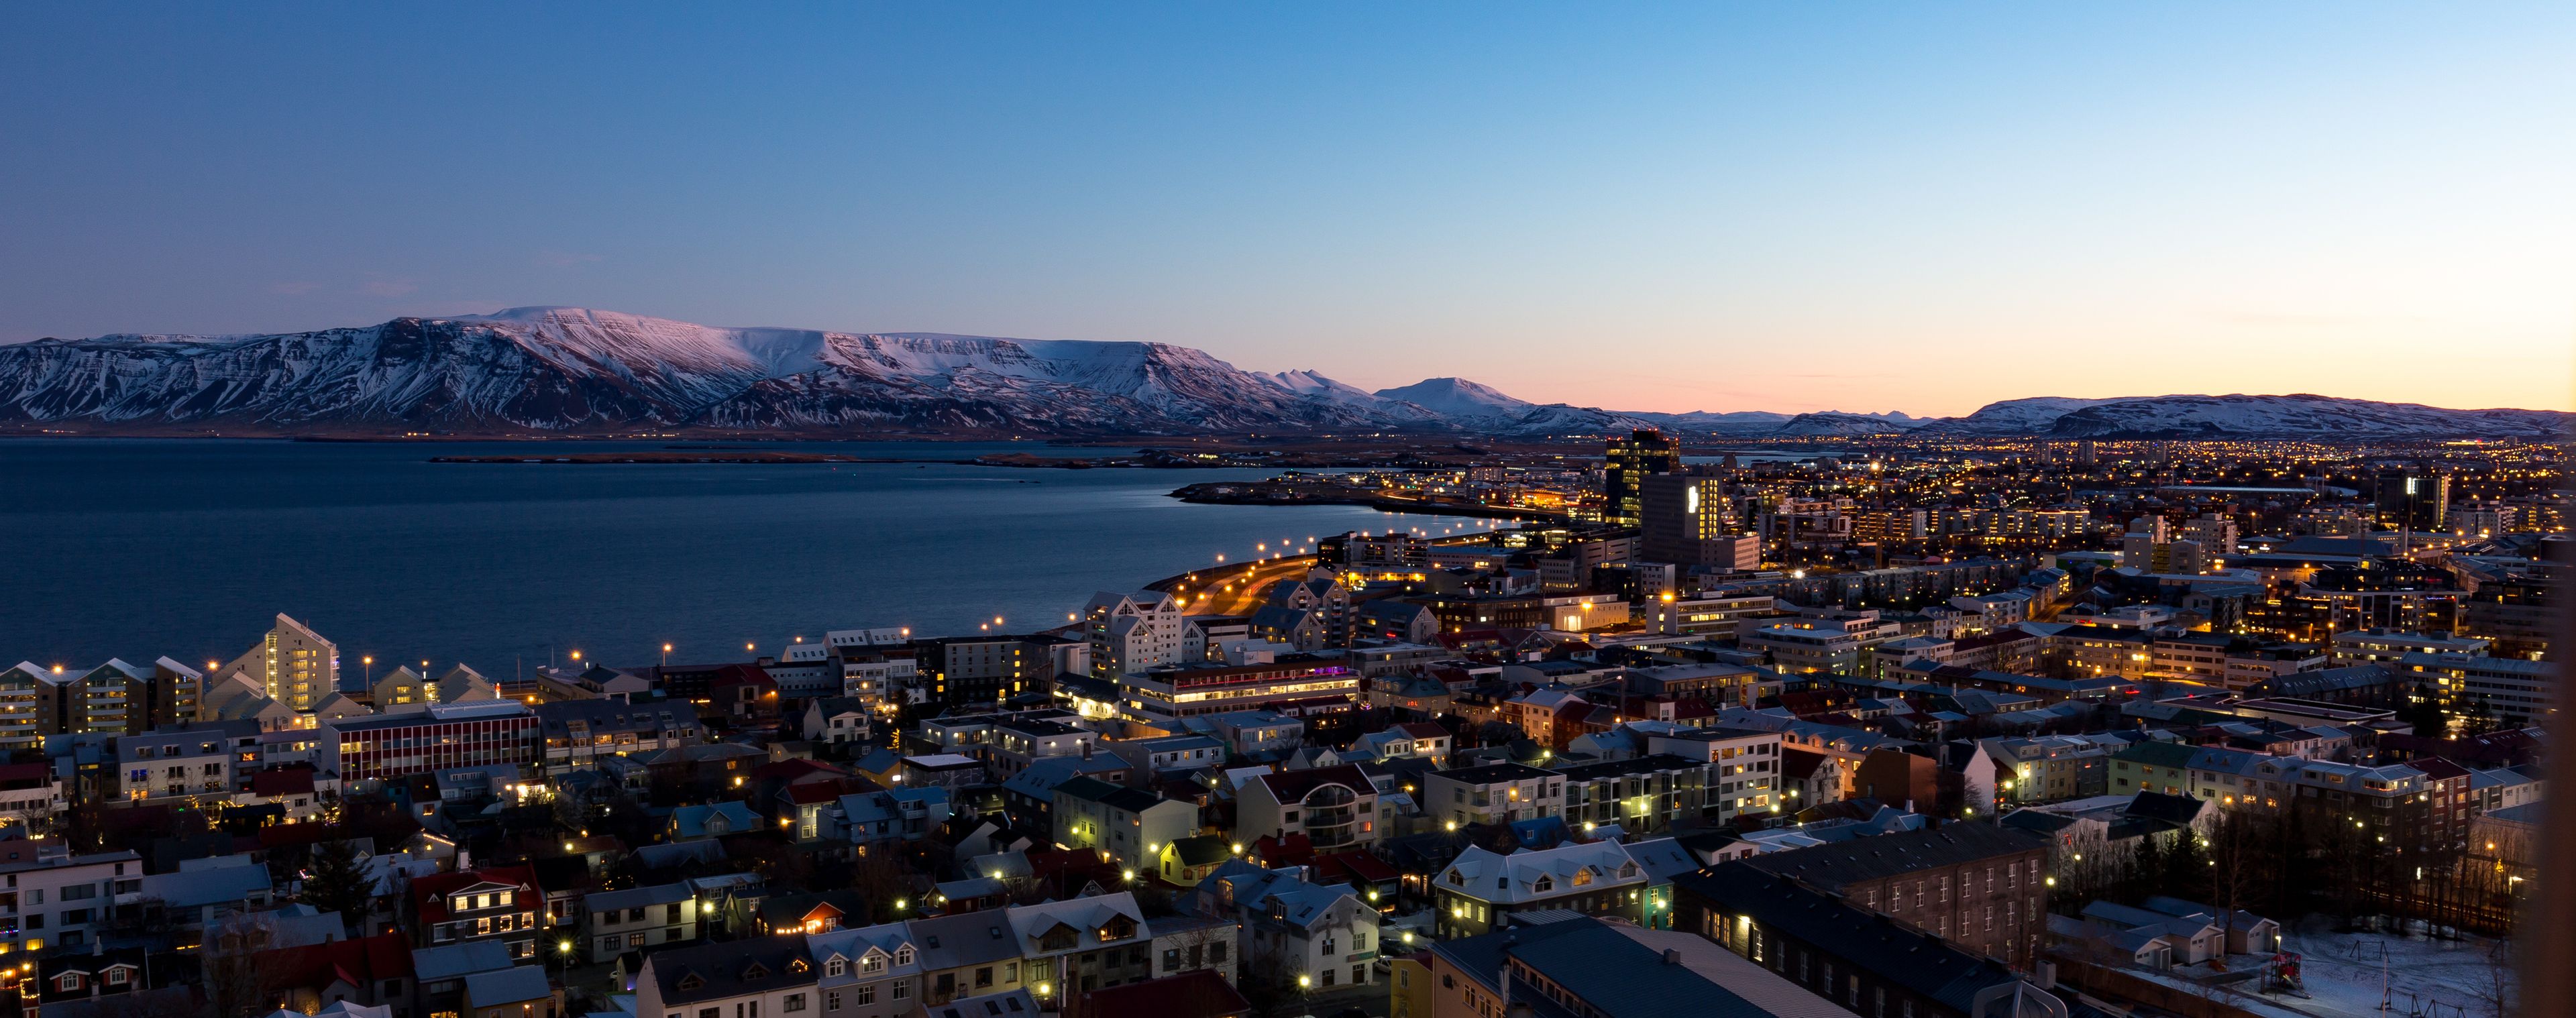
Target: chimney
<point>1672,956</point>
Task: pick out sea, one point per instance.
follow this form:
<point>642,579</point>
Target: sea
<point>139,548</point>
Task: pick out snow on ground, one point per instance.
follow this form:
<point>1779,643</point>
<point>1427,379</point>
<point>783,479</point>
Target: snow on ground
<point>2432,978</point>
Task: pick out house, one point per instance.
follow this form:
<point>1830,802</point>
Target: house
<point>711,820</point>
<point>439,973</point>
<point>87,977</point>
<point>769,976</point>
<point>517,992</point>
<point>810,912</point>
<point>835,720</point>
<point>1478,892</point>
<point>615,922</point>
<point>1183,862</point>
<point>1082,944</point>
<point>1130,824</point>
<point>498,903</point>
<point>1294,929</point>
<point>1336,808</point>
<point>1418,739</point>
<point>871,972</point>
<point>373,971</point>
<point>873,819</point>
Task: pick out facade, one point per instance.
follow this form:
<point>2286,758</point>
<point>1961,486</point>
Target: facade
<point>963,671</point>
<point>1844,951</point>
<point>1837,642</point>
<point>1336,808</point>
<point>1629,461</point>
<point>207,759</point>
<point>1499,793</point>
<point>772,977</point>
<point>1478,892</point>
<point>1978,885</point>
<point>1132,633</point>
<point>63,900</point>
<point>2411,499</point>
<point>614,922</point>
<point>1645,795</point>
<point>1686,521</point>
<point>293,664</point>
<point>1315,936</point>
<point>1131,824</point>
<point>870,972</point>
<point>579,734</point>
<point>1165,694</point>
<point>445,737</point>
<point>1743,770</point>
<point>498,904</point>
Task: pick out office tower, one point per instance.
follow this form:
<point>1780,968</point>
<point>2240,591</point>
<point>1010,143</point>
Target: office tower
<point>1685,520</point>
<point>2413,499</point>
<point>1644,453</point>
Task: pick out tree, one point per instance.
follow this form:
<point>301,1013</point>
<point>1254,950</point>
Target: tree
<point>336,880</point>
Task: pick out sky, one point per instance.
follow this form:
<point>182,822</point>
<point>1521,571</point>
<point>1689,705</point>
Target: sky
<point>1863,207</point>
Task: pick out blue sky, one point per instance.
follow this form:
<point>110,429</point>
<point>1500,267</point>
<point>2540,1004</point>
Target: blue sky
<point>1790,207</point>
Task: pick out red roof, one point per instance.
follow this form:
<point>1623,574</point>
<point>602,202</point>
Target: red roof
<point>1196,994</point>
<point>1367,868</point>
<point>429,893</point>
<point>358,962</point>
<point>742,675</point>
<point>283,781</point>
<point>26,775</point>
<point>1422,730</point>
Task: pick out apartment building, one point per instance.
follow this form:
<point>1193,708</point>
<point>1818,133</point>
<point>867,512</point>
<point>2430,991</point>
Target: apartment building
<point>637,918</point>
<point>1132,633</point>
<point>1162,695</point>
<point>1979,885</point>
<point>293,664</point>
<point>1743,768</point>
<point>62,900</point>
<point>1498,793</point>
<point>1833,641</point>
<point>443,737</point>
<point>208,759</point>
<point>1644,795</point>
<point>578,734</point>
<point>1336,808</point>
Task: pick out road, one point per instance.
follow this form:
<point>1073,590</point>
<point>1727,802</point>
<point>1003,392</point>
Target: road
<point>1235,587</point>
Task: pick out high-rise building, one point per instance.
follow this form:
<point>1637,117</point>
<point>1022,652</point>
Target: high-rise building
<point>1685,520</point>
<point>2416,500</point>
<point>1644,453</point>
<point>293,664</point>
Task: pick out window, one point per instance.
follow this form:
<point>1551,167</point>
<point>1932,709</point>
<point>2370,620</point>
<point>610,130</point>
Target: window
<point>872,963</point>
<point>834,966</point>
<point>902,990</point>
<point>868,994</point>
<point>794,1002</point>
<point>903,955</point>
<point>832,1001</point>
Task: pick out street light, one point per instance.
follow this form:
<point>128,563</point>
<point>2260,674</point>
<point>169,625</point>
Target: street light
<point>666,655</point>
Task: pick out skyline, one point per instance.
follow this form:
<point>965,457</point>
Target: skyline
<point>1859,210</point>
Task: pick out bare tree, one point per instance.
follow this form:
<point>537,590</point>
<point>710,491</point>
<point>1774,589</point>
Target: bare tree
<point>236,987</point>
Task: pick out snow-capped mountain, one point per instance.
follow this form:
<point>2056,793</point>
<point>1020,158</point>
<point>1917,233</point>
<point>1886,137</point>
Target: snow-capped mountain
<point>2297,416</point>
<point>549,369</point>
<point>1832,423</point>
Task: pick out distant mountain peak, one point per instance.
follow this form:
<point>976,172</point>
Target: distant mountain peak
<point>553,369</point>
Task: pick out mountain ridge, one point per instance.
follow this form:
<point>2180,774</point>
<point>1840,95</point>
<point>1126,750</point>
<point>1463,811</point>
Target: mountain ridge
<point>567,370</point>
